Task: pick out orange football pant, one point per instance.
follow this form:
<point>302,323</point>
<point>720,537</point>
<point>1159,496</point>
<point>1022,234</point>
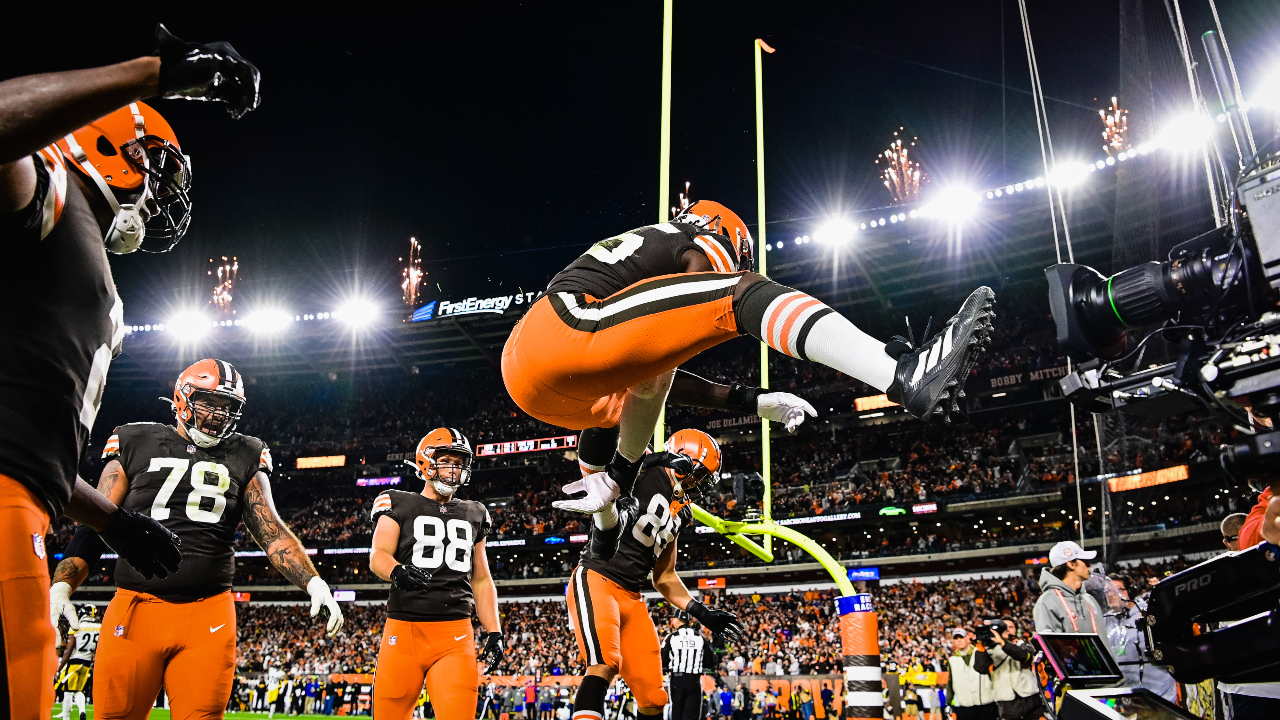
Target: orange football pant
<point>190,648</point>
<point>571,358</point>
<point>26,637</point>
<point>443,654</point>
<point>607,618</point>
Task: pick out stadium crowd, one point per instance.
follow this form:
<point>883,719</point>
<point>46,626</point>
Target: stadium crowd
<point>787,633</point>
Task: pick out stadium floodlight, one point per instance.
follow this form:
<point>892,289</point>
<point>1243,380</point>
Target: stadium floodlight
<point>1070,174</point>
<point>1186,133</point>
<point>357,313</point>
<point>836,232</point>
<point>268,321</point>
<point>1268,94</point>
<point>953,204</point>
<point>188,325</point>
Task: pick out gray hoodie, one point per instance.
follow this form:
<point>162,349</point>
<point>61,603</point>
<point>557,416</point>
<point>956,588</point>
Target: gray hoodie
<point>1061,609</point>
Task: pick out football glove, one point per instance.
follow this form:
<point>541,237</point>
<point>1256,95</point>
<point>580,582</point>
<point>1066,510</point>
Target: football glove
<point>784,408</point>
<point>723,625</point>
<point>212,71</point>
<point>600,489</point>
<point>492,652</point>
<point>682,465</point>
<point>410,577</point>
<point>148,546</point>
<point>323,605</point>
<point>60,606</point>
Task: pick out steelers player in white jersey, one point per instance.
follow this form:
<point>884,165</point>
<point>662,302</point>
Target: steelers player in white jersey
<point>430,546</point>
<point>76,667</point>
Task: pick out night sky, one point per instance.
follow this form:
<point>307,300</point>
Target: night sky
<point>509,136</point>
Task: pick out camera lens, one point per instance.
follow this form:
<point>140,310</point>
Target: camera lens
<point>1092,312</point>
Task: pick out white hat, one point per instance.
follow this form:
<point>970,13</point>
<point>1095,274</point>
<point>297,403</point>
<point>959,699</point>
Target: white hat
<point>1066,551</point>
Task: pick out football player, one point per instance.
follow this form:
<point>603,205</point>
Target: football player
<point>430,547</point>
<point>199,478</point>
<point>77,662</point>
<point>606,607</point>
<point>85,169</point>
<point>599,348</point>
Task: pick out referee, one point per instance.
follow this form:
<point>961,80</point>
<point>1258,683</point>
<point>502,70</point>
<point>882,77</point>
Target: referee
<point>685,658</point>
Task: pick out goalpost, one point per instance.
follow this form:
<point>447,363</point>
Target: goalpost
<point>859,636</point>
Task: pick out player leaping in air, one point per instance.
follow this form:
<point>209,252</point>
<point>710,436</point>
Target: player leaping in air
<point>610,618</point>
<point>199,478</point>
<point>599,349</point>
<point>430,547</point>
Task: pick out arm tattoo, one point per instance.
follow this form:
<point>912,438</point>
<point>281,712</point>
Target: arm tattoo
<point>259,514</point>
<point>283,549</point>
<point>111,475</point>
<point>71,571</point>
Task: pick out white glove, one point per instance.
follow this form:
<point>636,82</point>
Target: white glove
<point>60,607</point>
<point>321,596</point>
<point>784,408</point>
<point>600,489</point>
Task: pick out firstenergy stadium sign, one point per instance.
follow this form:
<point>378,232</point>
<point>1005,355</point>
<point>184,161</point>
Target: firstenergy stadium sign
<point>471,306</point>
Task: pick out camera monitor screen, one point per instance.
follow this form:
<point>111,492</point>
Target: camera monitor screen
<point>1119,704</point>
<point>1081,659</point>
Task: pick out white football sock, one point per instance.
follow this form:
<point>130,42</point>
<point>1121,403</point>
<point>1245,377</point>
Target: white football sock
<point>640,410</point>
<point>607,518</point>
<point>838,343</point>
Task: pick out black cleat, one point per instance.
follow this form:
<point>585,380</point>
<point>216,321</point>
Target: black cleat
<point>930,379</point>
<point>605,543</point>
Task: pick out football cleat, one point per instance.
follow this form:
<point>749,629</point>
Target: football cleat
<point>929,380</point>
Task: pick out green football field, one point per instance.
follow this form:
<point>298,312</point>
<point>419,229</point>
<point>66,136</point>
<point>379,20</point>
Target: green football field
<point>162,714</point>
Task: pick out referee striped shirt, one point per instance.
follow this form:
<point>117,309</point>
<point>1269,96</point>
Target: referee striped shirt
<point>683,652</point>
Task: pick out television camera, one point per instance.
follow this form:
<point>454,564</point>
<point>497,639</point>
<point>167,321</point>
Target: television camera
<point>1215,297</point>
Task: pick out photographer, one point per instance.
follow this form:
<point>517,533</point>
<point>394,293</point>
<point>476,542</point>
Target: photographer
<point>969,691</point>
<point>1008,661</point>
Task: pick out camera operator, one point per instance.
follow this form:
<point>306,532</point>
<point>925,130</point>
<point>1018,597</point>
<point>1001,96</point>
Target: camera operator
<point>1063,605</point>
<point>969,691</point>
<point>1263,520</point>
<point>1250,700</point>
<point>1129,645</point>
<point>1009,661</point>
<point>1230,528</point>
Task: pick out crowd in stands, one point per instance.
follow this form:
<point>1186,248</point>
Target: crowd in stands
<point>787,633</point>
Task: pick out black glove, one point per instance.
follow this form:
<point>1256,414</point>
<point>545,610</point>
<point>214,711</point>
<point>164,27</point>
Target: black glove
<point>681,464</point>
<point>410,577</point>
<point>491,654</point>
<point>724,626</point>
<point>148,546</point>
<point>213,71</point>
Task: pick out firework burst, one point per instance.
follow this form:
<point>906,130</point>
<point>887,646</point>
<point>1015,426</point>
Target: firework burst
<point>411,276</point>
<point>901,175</point>
<point>224,276</point>
<point>684,202</point>
<point>1115,137</point>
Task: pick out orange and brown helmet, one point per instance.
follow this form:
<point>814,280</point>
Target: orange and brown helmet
<point>720,220</point>
<point>134,159</point>
<point>196,385</point>
<point>704,451</point>
<point>428,464</point>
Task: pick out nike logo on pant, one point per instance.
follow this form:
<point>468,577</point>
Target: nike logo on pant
<point>459,638</point>
<point>216,629</point>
